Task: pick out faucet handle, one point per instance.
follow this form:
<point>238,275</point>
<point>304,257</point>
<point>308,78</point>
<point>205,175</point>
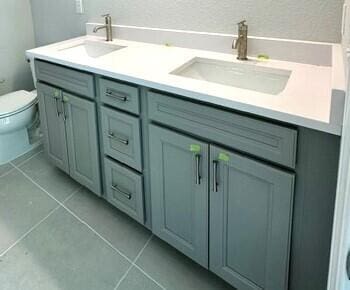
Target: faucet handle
<point>106,15</point>
<point>242,23</point>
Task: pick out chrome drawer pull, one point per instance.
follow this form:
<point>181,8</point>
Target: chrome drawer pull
<point>198,174</point>
<point>126,194</point>
<point>64,113</point>
<point>116,138</point>
<point>215,176</point>
<point>57,111</point>
<point>117,96</point>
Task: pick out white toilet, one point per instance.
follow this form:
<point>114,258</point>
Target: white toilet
<point>18,111</point>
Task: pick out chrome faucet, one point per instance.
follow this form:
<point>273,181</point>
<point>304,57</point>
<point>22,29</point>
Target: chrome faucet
<point>241,42</point>
<point>107,26</point>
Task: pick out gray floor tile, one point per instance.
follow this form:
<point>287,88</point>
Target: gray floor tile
<point>27,155</point>
<point>175,271</point>
<point>55,181</point>
<point>22,205</point>
<point>61,253</point>
<point>5,168</point>
<point>136,280</point>
<point>121,231</point>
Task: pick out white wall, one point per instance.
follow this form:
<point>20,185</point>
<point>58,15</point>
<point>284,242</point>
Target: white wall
<point>317,20</point>
<point>16,35</point>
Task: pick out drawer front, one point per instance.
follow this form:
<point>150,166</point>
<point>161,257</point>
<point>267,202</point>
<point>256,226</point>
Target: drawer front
<point>65,78</point>
<point>268,141</point>
<point>119,95</point>
<point>124,189</point>
<point>121,137</point>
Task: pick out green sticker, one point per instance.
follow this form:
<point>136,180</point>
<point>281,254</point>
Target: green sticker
<point>195,148</point>
<point>224,157</point>
<point>65,99</point>
<point>57,93</point>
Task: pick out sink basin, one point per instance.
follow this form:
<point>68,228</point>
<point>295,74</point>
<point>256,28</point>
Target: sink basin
<point>92,49</point>
<point>244,76</point>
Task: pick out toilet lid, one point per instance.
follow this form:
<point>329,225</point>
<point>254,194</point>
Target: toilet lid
<point>16,101</point>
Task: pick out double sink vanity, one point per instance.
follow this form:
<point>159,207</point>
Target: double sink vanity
<point>230,162</point>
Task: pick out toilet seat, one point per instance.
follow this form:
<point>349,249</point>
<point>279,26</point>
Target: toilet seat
<point>16,102</point>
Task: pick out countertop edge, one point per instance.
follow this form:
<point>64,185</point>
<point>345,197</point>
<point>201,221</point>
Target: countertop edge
<point>333,127</point>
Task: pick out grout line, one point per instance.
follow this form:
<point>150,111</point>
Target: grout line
<point>35,226</point>
<point>149,277</point>
<point>28,159</point>
<point>141,270</point>
<point>29,231</point>
<point>73,214</point>
<point>8,171</point>
<point>20,164</point>
<point>143,248</point>
<point>93,230</point>
<point>123,277</point>
<point>71,196</point>
<point>133,262</point>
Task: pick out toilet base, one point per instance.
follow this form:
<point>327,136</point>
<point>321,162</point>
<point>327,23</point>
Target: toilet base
<point>14,144</point>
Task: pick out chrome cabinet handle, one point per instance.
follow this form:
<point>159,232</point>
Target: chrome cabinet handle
<point>126,194</point>
<point>116,138</point>
<point>116,95</point>
<point>57,111</point>
<point>64,111</point>
<point>215,175</point>
<point>198,175</point>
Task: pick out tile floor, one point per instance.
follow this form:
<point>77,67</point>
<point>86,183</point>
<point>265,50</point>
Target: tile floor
<point>54,234</point>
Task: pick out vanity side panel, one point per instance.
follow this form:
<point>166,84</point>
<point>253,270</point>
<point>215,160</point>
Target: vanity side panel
<point>316,183</point>
<point>145,156</point>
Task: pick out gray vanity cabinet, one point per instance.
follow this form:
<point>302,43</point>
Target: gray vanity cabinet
<point>250,221</point>
<point>246,204</point>
<point>179,185</point>
<point>53,125</point>
<point>70,134</point>
<point>82,141</point>
<point>228,211</point>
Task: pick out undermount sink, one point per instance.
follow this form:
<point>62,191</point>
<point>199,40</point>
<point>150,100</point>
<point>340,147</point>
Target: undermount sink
<point>239,75</point>
<point>92,49</point>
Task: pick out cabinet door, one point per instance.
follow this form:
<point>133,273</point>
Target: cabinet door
<point>250,221</point>
<point>179,188</point>
<point>52,125</point>
<point>83,150</point>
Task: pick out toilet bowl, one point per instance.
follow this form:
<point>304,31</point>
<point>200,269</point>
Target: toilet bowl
<point>18,111</point>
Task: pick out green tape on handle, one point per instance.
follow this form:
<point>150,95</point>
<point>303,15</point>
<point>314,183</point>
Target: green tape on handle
<point>195,148</point>
<point>224,157</point>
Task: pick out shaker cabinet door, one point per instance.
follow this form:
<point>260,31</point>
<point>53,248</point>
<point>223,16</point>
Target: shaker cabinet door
<point>53,125</point>
<point>83,150</point>
<point>179,188</point>
<point>250,221</point>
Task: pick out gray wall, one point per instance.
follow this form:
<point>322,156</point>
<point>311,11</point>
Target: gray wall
<point>16,32</point>
<point>317,20</point>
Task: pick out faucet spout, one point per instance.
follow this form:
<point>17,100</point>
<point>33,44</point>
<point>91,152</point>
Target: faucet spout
<point>99,27</point>
<point>236,42</point>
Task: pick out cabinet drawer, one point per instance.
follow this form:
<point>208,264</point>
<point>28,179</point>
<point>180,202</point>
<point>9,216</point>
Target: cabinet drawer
<point>121,137</point>
<point>124,189</point>
<point>119,95</point>
<point>65,78</point>
<point>268,141</point>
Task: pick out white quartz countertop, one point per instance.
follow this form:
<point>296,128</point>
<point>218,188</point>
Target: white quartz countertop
<point>313,97</point>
